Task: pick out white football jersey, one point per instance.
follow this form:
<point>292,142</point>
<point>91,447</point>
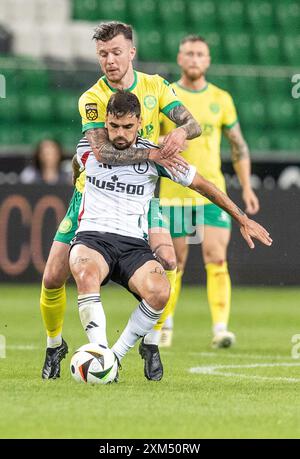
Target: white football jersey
<point>116,199</point>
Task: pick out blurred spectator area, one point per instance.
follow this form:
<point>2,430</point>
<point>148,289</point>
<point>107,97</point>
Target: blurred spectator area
<point>48,59</point>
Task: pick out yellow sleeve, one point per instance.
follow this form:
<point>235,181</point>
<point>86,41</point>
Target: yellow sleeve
<point>92,111</point>
<point>167,96</point>
<point>229,112</point>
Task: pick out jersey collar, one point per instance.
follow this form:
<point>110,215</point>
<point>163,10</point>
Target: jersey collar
<point>192,90</point>
<point>127,89</point>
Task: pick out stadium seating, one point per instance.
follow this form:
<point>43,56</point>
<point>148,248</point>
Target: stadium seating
<point>238,48</point>
<point>267,49</point>
<point>143,15</point>
<point>112,10</point>
<point>175,9</point>
<point>259,14</point>
<point>287,15</point>
<point>58,32</point>
<point>200,13</point>
<point>291,49</point>
<point>150,47</point>
<point>251,112</point>
<point>231,15</point>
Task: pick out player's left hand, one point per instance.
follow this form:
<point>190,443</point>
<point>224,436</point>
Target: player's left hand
<point>174,143</point>
<point>251,229</point>
<point>251,201</point>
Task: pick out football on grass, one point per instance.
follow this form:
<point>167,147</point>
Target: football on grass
<point>94,364</point>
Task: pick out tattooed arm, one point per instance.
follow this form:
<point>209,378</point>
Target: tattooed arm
<point>242,166</point>
<point>249,228</point>
<point>184,119</point>
<point>187,129</point>
<point>105,152</point>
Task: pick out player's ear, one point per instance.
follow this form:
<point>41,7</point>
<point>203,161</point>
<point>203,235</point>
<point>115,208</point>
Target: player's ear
<point>208,61</point>
<point>132,52</point>
<point>179,58</point>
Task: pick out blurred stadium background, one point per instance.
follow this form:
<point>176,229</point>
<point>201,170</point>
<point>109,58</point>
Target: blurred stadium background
<point>48,60</point>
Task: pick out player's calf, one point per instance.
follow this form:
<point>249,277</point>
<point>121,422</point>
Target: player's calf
<point>89,270</point>
<point>57,268</point>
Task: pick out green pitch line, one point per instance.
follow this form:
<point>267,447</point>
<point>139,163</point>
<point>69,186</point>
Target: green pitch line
<point>251,390</point>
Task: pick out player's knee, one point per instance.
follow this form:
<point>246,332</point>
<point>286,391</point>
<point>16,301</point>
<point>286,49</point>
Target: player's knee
<point>181,260</point>
<point>180,266</point>
<point>53,279</point>
<point>213,255</point>
<point>87,280</point>
<point>157,294</point>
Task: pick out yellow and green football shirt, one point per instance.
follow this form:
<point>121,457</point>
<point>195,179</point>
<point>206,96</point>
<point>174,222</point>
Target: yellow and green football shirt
<point>214,109</point>
<point>155,94</point>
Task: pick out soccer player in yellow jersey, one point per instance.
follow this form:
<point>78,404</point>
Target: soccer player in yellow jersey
<point>214,109</point>
<point>115,51</point>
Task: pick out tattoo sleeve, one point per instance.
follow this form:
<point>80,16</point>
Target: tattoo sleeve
<point>239,147</point>
<point>184,119</point>
<point>210,191</point>
<point>108,154</point>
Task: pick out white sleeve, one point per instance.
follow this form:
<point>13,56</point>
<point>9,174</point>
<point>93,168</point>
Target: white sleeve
<point>82,154</point>
<point>79,156</point>
<point>184,178</point>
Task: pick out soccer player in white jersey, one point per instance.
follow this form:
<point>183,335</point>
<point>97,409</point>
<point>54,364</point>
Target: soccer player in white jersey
<point>110,242</point>
<point>115,51</point>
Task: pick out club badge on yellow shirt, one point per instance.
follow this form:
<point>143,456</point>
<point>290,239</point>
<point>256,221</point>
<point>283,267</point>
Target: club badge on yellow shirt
<point>91,111</point>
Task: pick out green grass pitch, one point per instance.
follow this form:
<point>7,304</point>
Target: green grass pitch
<point>249,391</point>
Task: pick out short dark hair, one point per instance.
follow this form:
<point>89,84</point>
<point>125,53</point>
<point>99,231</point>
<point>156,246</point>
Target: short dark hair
<point>193,38</point>
<point>108,30</point>
<point>123,102</point>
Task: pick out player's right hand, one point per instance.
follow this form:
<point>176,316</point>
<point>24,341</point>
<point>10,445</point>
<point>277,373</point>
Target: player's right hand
<point>251,229</point>
<point>174,143</point>
<point>176,164</point>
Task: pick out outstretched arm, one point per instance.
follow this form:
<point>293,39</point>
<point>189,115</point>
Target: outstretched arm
<point>249,228</point>
<point>242,166</point>
<point>188,128</point>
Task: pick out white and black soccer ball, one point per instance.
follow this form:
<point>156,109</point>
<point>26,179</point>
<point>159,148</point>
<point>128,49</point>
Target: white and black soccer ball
<point>94,364</point>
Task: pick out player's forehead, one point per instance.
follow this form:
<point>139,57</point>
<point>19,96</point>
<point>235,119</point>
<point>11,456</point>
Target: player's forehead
<point>128,118</point>
<point>197,47</point>
<point>118,42</point>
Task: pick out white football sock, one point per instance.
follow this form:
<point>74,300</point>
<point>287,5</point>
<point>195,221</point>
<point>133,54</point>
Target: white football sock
<point>219,327</point>
<point>54,342</point>
<point>92,317</point>
<point>169,322</point>
<point>140,323</point>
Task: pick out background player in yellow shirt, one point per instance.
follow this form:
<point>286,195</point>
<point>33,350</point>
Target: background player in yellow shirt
<point>115,52</point>
<point>214,109</point>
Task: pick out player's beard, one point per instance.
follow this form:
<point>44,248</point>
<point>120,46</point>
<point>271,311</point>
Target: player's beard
<point>117,76</point>
<point>194,74</point>
<point>122,146</point>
